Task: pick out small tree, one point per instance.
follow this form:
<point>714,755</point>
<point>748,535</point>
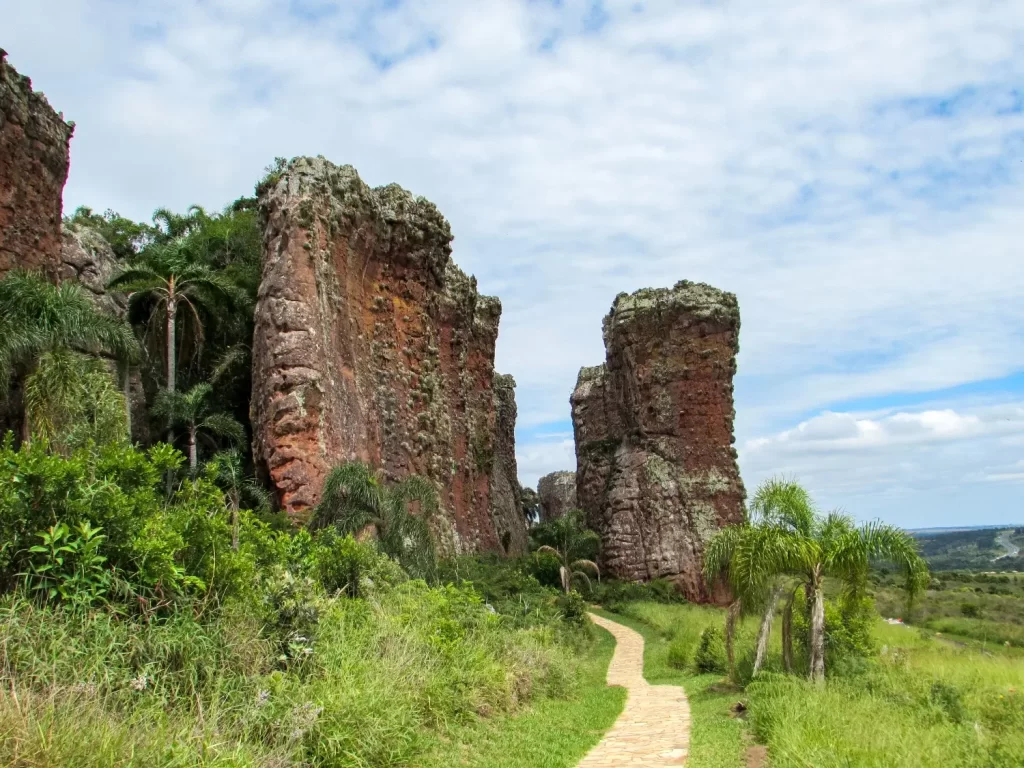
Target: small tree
<point>789,539</point>
<point>193,411</point>
<point>575,546</point>
<point>229,473</point>
<point>356,500</point>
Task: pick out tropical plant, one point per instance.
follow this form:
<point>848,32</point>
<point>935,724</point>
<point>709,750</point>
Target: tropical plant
<point>356,500</point>
<point>193,411</point>
<point>51,335</point>
<point>789,539</point>
<point>229,474</point>
<point>169,277</point>
<point>67,563</point>
<point>573,544</point>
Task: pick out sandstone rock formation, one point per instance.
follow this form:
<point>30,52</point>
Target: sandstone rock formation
<point>34,144</point>
<point>557,493</point>
<point>87,257</point>
<point>656,470</point>
<point>506,502</point>
<point>371,344</point>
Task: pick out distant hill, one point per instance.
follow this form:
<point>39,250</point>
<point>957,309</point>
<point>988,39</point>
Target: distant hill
<point>984,548</point>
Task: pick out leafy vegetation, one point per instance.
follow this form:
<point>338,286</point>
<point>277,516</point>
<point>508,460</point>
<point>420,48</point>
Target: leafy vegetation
<point>178,629</point>
<point>573,545</point>
<point>790,547</point>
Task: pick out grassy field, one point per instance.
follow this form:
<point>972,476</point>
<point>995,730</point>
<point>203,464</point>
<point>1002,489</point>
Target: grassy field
<point>922,703</point>
<point>552,734</point>
<point>717,738</point>
<point>984,607</point>
<point>920,700</point>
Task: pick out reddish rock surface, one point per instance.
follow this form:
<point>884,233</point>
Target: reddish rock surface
<point>371,344</point>
<point>34,144</point>
<point>656,470</point>
<point>557,493</point>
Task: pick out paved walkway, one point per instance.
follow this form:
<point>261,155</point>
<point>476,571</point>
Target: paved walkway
<point>654,728</point>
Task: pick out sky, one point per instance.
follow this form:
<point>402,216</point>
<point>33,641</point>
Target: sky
<point>852,171</point>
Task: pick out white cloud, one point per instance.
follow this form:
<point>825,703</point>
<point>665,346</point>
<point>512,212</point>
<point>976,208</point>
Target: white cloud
<point>791,151</point>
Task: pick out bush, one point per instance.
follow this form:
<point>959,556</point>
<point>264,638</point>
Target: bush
<point>970,610</point>
<point>340,563</point>
<point>711,656</point>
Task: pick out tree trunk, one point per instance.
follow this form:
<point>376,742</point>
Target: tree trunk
<point>817,672</point>
<point>730,635</point>
<point>234,520</point>
<point>126,390</point>
<point>193,454</point>
<point>765,631</point>
<point>787,635</point>
<point>172,311</point>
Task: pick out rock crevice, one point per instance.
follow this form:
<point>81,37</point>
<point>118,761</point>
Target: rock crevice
<point>656,470</point>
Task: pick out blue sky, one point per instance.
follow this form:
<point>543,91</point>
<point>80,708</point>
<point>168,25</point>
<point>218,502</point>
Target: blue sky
<point>852,171</point>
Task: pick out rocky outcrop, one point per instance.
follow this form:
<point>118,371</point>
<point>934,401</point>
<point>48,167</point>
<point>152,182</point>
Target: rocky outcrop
<point>34,144</point>
<point>506,502</point>
<point>86,256</point>
<point>557,493</point>
<point>370,344</point>
<point>656,470</point>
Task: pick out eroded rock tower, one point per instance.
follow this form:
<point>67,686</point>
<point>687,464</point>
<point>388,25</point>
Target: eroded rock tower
<point>656,470</point>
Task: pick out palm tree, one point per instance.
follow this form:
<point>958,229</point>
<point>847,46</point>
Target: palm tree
<point>169,277</point>
<point>568,539</point>
<point>356,500</point>
<point>230,475</point>
<point>193,410</point>
<point>51,335</point>
<point>790,539</point>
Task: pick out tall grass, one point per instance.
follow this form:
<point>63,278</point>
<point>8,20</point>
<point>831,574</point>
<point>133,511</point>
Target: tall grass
<point>924,703</point>
<point>384,679</point>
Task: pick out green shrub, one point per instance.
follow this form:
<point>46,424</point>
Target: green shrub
<point>710,655</point>
<point>340,563</point>
<point>970,610</point>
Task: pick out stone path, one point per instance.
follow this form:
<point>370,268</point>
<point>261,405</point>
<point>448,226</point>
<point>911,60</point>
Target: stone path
<point>654,728</point>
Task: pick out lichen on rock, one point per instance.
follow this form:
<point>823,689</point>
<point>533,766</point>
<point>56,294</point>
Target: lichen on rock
<point>557,494</point>
<point>656,471</point>
<point>372,345</point>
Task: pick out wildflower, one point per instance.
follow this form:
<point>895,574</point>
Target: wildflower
<point>139,683</point>
<point>262,697</point>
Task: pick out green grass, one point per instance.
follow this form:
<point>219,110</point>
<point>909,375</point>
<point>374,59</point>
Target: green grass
<point>385,680</point>
<point>551,734</point>
<point>716,737</point>
<point>924,703</point>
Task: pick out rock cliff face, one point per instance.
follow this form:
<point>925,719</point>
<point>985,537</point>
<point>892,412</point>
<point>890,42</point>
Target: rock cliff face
<point>370,344</point>
<point>33,168</point>
<point>506,502</point>
<point>87,257</point>
<point>656,471</point>
<point>557,493</point>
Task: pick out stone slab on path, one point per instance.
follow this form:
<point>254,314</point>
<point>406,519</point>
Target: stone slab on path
<point>654,728</point>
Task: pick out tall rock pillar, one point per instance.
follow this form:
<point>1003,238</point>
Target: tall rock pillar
<point>371,345</point>
<point>34,146</point>
<point>656,470</point>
